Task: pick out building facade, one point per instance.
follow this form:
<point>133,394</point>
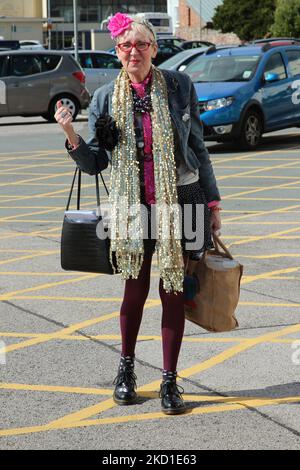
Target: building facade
<point>90,14</point>
<point>21,19</point>
<point>27,19</point>
<point>195,22</point>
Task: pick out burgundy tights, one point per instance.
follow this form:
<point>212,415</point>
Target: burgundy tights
<point>172,325</point>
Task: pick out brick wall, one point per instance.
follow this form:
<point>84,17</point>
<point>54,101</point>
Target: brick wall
<point>191,28</point>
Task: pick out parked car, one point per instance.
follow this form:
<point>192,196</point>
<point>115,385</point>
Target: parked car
<point>100,67</point>
<point>278,41</point>
<point>247,91</point>
<point>31,45</point>
<point>194,44</point>
<point>165,51</point>
<point>180,61</point>
<point>35,80</point>
<point>173,40</point>
<point>9,44</point>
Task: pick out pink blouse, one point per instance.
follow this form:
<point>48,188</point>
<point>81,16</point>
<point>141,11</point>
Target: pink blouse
<point>140,89</point>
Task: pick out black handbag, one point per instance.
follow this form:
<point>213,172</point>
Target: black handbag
<point>81,248</point>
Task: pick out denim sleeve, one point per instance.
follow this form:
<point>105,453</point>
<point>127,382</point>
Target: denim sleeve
<point>206,173</point>
<point>89,156</point>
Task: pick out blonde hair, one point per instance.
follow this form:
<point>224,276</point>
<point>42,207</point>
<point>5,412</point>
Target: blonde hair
<point>140,26</point>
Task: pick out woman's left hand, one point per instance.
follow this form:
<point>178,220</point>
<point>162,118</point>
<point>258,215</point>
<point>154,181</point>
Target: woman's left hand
<point>215,222</point>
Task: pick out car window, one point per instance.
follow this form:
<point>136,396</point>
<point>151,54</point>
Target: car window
<point>49,62</point>
<point>168,48</point>
<point>105,61</point>
<point>222,68</point>
<point>22,65</point>
<point>3,66</point>
<point>275,64</point>
<point>85,60</point>
<point>294,61</point>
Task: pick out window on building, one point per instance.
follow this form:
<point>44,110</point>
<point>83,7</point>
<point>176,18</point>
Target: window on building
<point>189,16</point>
<point>93,11</point>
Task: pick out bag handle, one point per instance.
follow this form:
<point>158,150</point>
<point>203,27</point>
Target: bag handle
<point>218,243</point>
<point>79,189</point>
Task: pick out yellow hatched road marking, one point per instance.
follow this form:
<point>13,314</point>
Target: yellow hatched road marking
<point>147,416</point>
<point>262,169</point>
<point>65,331</point>
<point>41,195</point>
<point>196,369</point>
<point>268,188</point>
<point>17,183</point>
<point>248,156</point>
<point>250,239</point>
<point>27,273</point>
<point>112,337</point>
<point>115,299</point>
<point>25,167</point>
<point>21,258</point>
<point>84,277</point>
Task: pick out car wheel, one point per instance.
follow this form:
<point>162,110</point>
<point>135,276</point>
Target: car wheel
<point>68,101</point>
<point>251,132</point>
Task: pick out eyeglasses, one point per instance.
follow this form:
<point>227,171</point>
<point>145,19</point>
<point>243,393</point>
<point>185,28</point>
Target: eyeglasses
<point>128,46</point>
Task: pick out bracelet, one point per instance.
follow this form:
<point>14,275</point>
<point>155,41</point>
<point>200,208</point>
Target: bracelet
<point>215,208</point>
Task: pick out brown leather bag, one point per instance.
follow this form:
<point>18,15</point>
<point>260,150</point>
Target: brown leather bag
<point>219,277</point>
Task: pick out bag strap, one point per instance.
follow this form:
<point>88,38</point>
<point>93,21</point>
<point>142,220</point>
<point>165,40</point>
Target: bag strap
<point>218,243</point>
<point>79,189</point>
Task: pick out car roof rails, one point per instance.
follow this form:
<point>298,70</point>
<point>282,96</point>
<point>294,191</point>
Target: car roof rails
<point>210,50</point>
<point>221,47</point>
<point>268,46</point>
<point>269,40</point>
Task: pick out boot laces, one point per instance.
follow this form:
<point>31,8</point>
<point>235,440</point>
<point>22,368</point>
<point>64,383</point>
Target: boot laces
<point>126,376</point>
<point>170,387</point>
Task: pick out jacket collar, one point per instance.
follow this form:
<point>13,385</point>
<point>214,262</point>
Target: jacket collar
<point>172,82</point>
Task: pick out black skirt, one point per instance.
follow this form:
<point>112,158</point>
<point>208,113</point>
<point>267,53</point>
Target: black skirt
<point>189,196</point>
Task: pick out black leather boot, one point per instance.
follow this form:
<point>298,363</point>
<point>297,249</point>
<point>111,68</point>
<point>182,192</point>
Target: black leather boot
<point>171,400</point>
<point>125,382</point>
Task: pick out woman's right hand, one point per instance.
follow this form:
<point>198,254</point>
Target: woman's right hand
<point>64,118</point>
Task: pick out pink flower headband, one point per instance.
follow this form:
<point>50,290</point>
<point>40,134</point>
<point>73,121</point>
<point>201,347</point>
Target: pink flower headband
<point>120,22</point>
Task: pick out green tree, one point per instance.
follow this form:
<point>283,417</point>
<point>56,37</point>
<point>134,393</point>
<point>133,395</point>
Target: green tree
<point>287,18</point>
<point>249,19</point>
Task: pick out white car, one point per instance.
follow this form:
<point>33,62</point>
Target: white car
<point>100,67</point>
<point>31,44</point>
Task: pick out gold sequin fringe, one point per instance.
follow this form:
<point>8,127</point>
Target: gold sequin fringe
<point>125,186</point>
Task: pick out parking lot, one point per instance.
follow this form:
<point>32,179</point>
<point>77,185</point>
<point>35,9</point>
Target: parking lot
<point>61,329</point>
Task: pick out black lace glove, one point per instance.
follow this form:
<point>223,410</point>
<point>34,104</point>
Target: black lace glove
<point>106,131</point>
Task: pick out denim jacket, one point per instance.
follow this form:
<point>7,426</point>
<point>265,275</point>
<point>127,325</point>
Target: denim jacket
<point>189,144</point>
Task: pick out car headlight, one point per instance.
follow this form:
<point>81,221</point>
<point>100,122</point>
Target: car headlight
<point>219,103</point>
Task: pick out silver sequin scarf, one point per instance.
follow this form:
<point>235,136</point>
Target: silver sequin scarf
<point>124,199</point>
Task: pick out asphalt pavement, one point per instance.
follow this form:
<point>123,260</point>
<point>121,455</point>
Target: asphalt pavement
<point>61,329</point>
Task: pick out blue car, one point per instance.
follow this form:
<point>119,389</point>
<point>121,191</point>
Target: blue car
<point>247,91</point>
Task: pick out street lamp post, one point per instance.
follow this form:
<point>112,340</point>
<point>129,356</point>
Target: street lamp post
<point>49,23</point>
<point>75,29</point>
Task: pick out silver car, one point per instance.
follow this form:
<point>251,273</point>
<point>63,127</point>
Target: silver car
<point>100,67</point>
<point>180,61</point>
<point>31,83</point>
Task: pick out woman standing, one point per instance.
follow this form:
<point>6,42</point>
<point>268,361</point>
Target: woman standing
<point>159,159</point>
